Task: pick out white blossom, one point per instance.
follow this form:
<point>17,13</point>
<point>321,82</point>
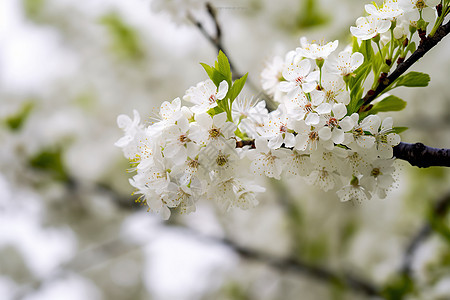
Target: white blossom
<point>316,51</point>
<point>368,27</point>
<point>205,95</point>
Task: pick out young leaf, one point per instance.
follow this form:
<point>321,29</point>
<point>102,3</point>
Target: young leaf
<point>413,79</point>
<point>399,129</point>
<point>237,87</point>
<point>390,103</point>
<point>215,75</point>
<point>223,66</point>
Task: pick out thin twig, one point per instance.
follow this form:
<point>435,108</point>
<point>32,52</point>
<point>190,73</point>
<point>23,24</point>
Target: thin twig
<point>217,42</point>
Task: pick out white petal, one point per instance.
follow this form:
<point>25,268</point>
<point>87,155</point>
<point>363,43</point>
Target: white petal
<point>339,110</point>
<point>387,123</point>
<point>220,119</point>
<point>276,142</point>
<point>324,108</point>
<point>393,139</point>
<point>204,120</point>
<point>261,145</point>
<point>365,141</point>
<point>124,121</point>
<point>371,123</point>
<point>312,119</point>
<point>325,133</point>
<point>337,136</point>
<point>301,142</point>
<point>223,90</point>
<point>356,60</point>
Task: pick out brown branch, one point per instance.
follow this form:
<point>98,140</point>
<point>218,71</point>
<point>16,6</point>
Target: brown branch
<point>422,156</point>
<point>439,210</point>
<point>425,45</point>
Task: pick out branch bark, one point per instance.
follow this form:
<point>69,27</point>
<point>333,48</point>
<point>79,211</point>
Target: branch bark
<point>422,156</point>
<point>425,45</point>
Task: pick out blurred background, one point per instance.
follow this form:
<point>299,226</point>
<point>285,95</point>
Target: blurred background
<point>69,227</point>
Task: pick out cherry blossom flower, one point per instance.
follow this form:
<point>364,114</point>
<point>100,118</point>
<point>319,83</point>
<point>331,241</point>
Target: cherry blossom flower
<point>333,90</point>
<point>386,139</point>
<point>368,27</point>
<point>390,10</point>
<point>345,64</point>
<point>265,160</point>
<point>276,130</point>
<point>336,125</point>
<point>353,192</point>
<point>316,51</point>
<point>378,177</point>
<point>205,95</point>
<point>298,77</point>
<point>133,131</point>
<point>212,131</point>
<point>415,8</point>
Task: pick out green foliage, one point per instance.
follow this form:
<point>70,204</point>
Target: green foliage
<point>412,79</point>
<point>237,87</point>
<point>356,86</point>
<point>399,129</point>
<point>219,72</point>
<point>33,8</point>
<point>15,122</point>
<point>125,40</point>
<point>397,288</point>
<point>50,160</point>
<point>215,75</point>
<point>390,103</point>
<point>311,15</point>
<point>410,48</point>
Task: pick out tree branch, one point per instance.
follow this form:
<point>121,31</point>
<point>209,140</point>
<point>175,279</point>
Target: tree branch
<point>294,265</point>
<point>416,154</point>
<point>422,156</point>
<point>425,45</point>
<point>439,210</point>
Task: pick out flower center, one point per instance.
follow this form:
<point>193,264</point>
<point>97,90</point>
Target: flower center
<point>193,164</point>
<point>221,160</point>
<point>183,139</point>
<point>332,122</point>
<point>375,172</point>
<point>420,4</point>
<point>313,135</point>
<point>330,96</point>
<point>214,133</point>
<point>212,98</point>
<point>358,131</point>
<point>308,107</point>
<point>299,80</point>
<point>283,128</point>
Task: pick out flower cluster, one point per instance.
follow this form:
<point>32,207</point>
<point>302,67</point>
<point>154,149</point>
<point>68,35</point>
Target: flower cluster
<point>323,129</point>
<point>188,154</point>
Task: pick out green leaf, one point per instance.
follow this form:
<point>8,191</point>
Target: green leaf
<point>237,87</point>
<point>50,160</point>
<point>215,75</point>
<point>399,129</point>
<point>125,40</point>
<point>215,111</point>
<point>367,50</point>
<point>15,122</point>
<point>410,48</point>
<point>223,66</point>
<point>390,103</point>
<point>413,79</point>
